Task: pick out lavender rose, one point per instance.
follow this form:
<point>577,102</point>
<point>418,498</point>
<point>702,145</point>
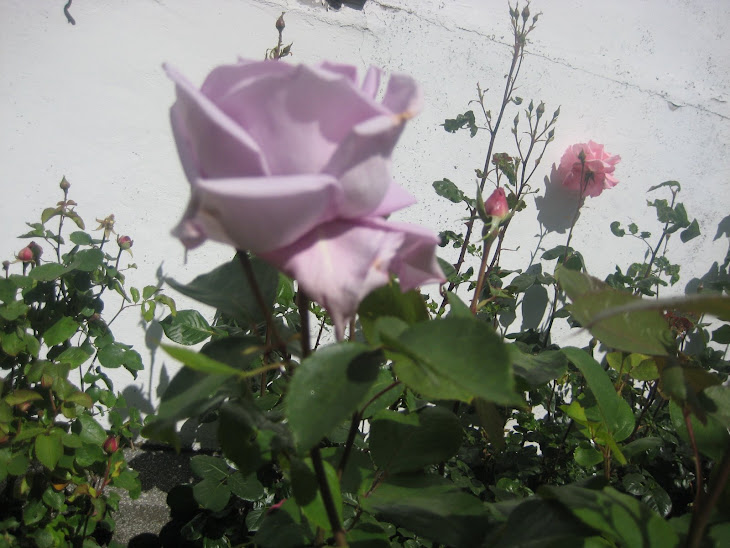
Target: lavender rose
<point>293,163</point>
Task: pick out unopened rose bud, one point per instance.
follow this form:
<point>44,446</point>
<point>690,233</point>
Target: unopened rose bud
<point>25,255</point>
<point>280,22</point>
<point>496,204</point>
<point>124,242</point>
<point>540,109</point>
<point>6,265</point>
<point>526,13</point>
<point>111,445</point>
<point>64,184</point>
<point>36,250</point>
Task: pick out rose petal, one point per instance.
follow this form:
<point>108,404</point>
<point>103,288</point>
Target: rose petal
<point>260,214</point>
<point>395,198</point>
<point>224,79</point>
<point>415,263</point>
<point>371,83</point>
<point>348,71</point>
<point>298,118</point>
<point>403,97</point>
<point>338,264</point>
<point>210,145</point>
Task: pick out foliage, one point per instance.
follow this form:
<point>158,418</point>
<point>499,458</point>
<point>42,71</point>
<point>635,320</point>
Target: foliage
<point>61,471</point>
<point>437,424</point>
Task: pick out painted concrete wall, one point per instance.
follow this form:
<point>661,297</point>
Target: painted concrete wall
<point>649,78</point>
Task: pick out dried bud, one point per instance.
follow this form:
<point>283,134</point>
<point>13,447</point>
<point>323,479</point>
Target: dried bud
<point>6,265</point>
<point>107,225</point>
<point>25,255</point>
<point>496,204</point>
<point>124,242</point>
<point>64,184</point>
<point>280,22</point>
<point>111,445</point>
<point>540,109</point>
<point>37,251</point>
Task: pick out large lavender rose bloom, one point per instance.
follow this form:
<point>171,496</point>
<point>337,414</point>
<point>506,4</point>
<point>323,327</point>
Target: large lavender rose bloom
<point>293,163</point>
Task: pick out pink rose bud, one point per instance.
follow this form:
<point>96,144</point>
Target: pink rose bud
<point>25,255</point>
<point>111,444</point>
<point>496,204</point>
<point>124,242</point>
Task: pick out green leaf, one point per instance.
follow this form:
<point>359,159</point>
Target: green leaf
<point>211,494</point>
<point>113,355</point>
<point>587,456</point>
<point>617,230</point>
<point>201,362</point>
<point>402,442</point>
<point>308,495</point>
<point>13,310</point>
<point>426,361</point>
<point>134,292</point>
<point>281,528</point>
<point>386,399</point>
<point>712,438</point>
<point>643,332</point>
<point>721,335</point>
<point>49,213</point>
<point>246,487</point>
<point>60,331</point>
<point>671,184</point>
<point>22,396</point>
<point>47,272</point>
<point>33,512</point>
<point>389,300</point>
<point>462,120</point>
<point>615,411</point>
<point>81,238</point>
<point>48,450</point>
<point>458,308</point>
<point>691,232</point>
<point>537,523</point>
<point>89,430</point>
<point>8,290</point>
<point>431,507</point>
<point>212,468</point>
<point>538,369</point>
<point>327,388</point>
<point>620,518</point>
<point>447,189</point>
<point>87,260</point>
<point>76,355</point>
<point>227,289</point>
<point>187,327</point>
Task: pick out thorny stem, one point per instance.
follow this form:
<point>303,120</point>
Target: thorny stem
<point>329,505</point>
<point>356,418</point>
<point>517,56</point>
<point>265,312</point>
<point>314,453</point>
<point>699,492</point>
<point>482,274</point>
<point>649,401</point>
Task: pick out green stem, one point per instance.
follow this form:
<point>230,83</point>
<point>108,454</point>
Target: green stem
<point>329,504</point>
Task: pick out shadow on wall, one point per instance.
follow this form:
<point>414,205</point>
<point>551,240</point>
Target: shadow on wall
<point>557,207</point>
<point>337,4</point>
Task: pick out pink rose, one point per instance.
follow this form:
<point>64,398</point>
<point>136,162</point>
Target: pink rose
<point>597,170</point>
<point>25,255</point>
<point>496,204</point>
<point>293,163</point>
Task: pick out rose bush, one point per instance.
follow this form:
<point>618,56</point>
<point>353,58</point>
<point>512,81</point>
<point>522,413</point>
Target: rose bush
<point>597,168</point>
<point>293,164</point>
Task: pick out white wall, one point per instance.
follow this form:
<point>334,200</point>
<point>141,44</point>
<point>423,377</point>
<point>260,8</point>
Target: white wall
<point>648,78</point>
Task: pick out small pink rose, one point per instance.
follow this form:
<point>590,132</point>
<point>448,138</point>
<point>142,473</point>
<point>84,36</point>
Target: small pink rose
<point>111,444</point>
<point>25,255</point>
<point>496,204</point>
<point>124,242</point>
<point>597,168</point>
<point>293,163</point>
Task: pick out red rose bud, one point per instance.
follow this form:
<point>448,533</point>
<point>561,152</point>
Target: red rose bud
<point>496,204</point>
<point>280,22</point>
<point>124,242</point>
<point>111,444</point>
<point>25,255</point>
